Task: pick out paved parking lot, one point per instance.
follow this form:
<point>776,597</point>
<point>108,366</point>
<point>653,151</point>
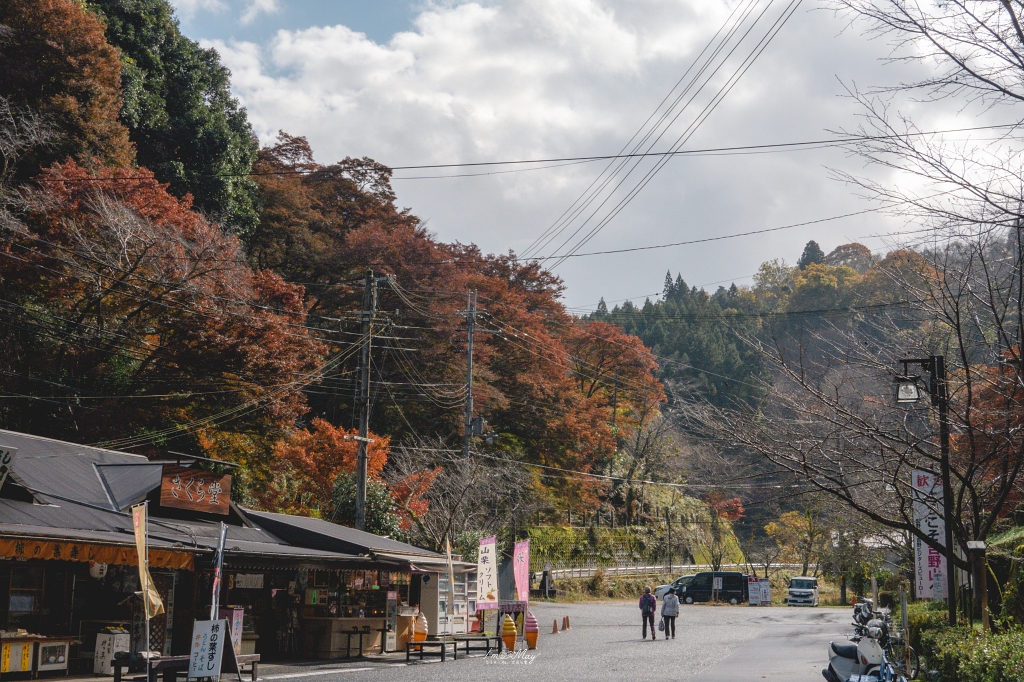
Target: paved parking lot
<point>713,644</point>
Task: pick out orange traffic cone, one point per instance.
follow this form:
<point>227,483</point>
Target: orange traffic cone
<point>554,626</point>
<point>565,623</point>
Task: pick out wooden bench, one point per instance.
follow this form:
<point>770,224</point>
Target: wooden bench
<point>168,667</point>
<point>440,644</point>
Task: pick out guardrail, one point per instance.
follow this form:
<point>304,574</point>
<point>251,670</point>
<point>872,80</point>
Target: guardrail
<point>681,569</point>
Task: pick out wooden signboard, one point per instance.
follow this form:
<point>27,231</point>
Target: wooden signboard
<point>195,489</point>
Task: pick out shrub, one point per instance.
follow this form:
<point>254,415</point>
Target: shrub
<point>968,655</point>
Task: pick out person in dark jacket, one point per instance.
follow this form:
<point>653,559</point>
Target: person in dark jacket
<point>648,606</point>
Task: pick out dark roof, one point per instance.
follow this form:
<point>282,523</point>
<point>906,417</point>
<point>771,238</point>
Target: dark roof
<point>89,475</point>
<point>82,493</point>
<point>320,534</point>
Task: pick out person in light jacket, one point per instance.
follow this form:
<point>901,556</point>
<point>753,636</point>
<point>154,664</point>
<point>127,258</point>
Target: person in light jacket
<point>669,611</point>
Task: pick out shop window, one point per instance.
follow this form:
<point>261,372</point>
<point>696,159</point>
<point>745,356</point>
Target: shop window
<point>26,589</point>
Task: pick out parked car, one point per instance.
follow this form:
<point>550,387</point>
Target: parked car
<point>661,590</point>
<point>702,588</point>
<point>803,591</point>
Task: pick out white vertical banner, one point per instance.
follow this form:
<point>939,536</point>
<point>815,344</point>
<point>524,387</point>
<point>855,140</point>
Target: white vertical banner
<point>487,575</point>
<point>929,563</point>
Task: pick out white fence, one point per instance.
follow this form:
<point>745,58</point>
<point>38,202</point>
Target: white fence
<point>674,569</point>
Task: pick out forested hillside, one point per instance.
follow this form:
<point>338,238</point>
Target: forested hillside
<point>170,284</point>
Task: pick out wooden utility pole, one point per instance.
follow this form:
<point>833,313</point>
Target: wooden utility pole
<point>367,313</point>
<point>470,321</point>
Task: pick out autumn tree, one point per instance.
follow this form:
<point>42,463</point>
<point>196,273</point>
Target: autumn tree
<point>133,321</point>
<point>177,104</point>
<point>58,65</point>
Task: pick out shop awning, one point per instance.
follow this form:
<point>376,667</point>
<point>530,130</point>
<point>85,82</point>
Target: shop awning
<point>424,563</point>
<point>71,550</point>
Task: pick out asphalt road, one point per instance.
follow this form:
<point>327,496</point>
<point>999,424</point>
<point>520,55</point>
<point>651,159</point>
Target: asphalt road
<point>713,644</point>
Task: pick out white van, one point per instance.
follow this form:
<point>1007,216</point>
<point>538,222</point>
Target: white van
<point>803,591</point>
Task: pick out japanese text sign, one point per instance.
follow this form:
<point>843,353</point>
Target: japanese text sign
<point>521,569</point>
<point>195,489</point>
<point>209,637</point>
<point>487,575</point>
<point>929,563</point>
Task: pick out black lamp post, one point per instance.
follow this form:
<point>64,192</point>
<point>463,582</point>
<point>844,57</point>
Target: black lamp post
<point>907,392</point>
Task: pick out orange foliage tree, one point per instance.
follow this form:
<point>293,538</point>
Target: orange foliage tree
<point>133,321</point>
<point>57,62</point>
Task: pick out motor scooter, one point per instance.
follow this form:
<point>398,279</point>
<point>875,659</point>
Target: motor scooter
<point>864,660</point>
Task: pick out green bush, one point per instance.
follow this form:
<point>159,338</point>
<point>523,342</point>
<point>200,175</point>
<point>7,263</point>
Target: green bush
<point>968,655</point>
<point>925,617</point>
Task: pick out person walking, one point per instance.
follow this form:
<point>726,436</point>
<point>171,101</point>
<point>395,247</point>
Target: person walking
<point>648,607</point>
<point>669,611</point>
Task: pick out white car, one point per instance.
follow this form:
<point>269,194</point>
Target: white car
<point>803,591</point>
<point>661,590</point>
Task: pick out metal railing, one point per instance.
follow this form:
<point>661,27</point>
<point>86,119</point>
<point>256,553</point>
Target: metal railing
<point>638,570</point>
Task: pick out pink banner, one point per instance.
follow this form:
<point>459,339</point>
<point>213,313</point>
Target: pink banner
<point>521,569</point>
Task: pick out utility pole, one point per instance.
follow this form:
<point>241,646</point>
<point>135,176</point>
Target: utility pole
<point>367,313</point>
<point>470,321</point>
<point>940,398</point>
<point>935,365</point>
<point>615,399</point>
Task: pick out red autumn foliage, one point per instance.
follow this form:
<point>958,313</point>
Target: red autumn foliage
<point>727,508</point>
<point>115,289</point>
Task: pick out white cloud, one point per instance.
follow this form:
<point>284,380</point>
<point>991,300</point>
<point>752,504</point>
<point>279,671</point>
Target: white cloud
<point>545,78</point>
<point>189,8</point>
<point>257,7</point>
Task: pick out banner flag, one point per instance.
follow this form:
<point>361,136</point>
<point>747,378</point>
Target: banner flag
<point>521,569</point>
<point>487,575</point>
<point>150,595</point>
<point>929,563</point>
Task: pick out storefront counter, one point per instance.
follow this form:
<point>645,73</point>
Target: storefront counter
<point>328,637</point>
<point>33,653</point>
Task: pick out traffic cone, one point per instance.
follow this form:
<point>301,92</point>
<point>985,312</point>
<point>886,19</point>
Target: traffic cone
<point>565,623</point>
<point>554,626</point>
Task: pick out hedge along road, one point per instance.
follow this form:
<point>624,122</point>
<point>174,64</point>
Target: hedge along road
<point>713,644</point>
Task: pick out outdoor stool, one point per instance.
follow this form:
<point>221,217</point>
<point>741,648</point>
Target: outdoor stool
<point>356,631</point>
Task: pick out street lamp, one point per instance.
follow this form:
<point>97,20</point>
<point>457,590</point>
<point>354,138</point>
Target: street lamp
<point>907,392</point>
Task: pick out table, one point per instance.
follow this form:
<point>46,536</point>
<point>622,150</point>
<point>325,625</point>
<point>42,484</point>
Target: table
<point>169,666</point>
<point>440,644</point>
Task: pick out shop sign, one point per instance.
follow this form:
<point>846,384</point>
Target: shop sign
<point>195,489</point>
<point>6,462</point>
<point>766,592</point>
<point>209,638</point>
<point>487,575</point>
<point>753,590</point>
<point>248,581</point>
<point>104,554</point>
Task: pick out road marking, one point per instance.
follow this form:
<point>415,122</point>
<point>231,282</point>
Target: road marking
<point>290,676</point>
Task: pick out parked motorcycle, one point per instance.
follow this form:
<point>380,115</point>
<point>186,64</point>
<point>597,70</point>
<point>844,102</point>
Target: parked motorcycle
<point>864,660</point>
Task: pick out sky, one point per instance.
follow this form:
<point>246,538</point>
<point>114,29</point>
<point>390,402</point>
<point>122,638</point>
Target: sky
<point>421,83</point>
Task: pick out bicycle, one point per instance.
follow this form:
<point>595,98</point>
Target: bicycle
<point>897,650</point>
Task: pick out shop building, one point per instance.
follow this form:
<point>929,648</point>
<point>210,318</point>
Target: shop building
<point>68,564</point>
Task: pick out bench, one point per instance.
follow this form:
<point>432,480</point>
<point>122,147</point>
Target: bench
<point>477,643</point>
<point>440,644</point>
<point>168,667</point>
